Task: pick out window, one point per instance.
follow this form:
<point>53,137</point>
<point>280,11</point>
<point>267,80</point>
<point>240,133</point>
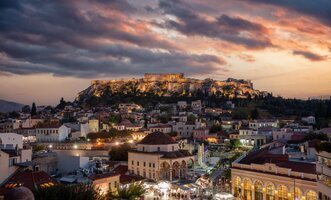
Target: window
<point>144,164</point>
<point>153,165</point>
<point>258,191</point>
<point>173,148</point>
<point>158,148</point>
<point>311,195</point>
<point>137,163</point>
<point>132,162</point>
<point>282,192</point>
<point>150,164</point>
<point>143,148</point>
<point>115,184</point>
<point>270,192</point>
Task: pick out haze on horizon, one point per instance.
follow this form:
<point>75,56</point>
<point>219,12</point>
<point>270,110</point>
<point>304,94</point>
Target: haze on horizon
<point>53,49</point>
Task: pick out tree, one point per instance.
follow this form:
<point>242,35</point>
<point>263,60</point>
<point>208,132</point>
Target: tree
<point>26,109</point>
<point>255,113</point>
<point>235,143</point>
<point>191,118</point>
<point>33,109</point>
<point>62,104</point>
<point>131,192</point>
<point>71,192</point>
<point>215,128</point>
<point>37,148</point>
<point>319,136</point>
<point>119,153</point>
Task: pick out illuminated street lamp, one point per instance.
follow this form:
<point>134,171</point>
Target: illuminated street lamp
<point>75,146</point>
<point>50,146</point>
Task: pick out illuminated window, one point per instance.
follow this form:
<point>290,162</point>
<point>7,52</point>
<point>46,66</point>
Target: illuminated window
<point>297,193</point>
<point>282,193</point>
<point>247,189</point>
<point>258,190</point>
<point>311,195</point>
<point>237,189</point>
<point>270,192</point>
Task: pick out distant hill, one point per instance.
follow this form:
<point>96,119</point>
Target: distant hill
<point>8,106</point>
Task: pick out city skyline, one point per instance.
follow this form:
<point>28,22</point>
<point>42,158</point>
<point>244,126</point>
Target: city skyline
<point>57,48</point>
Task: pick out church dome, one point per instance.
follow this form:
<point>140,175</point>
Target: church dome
<point>157,138</point>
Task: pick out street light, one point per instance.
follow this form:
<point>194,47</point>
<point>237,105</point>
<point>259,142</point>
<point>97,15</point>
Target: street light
<point>50,146</point>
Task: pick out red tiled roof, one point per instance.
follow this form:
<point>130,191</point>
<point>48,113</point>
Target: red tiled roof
<point>263,156</point>
<point>29,179</point>
<point>124,179</point>
<point>121,169</point>
<point>156,138</point>
<point>101,176</point>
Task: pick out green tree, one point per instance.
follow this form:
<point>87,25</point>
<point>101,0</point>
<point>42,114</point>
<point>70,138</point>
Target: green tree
<point>215,128</point>
<point>37,148</point>
<point>254,113</point>
<point>191,118</point>
<point>33,109</point>
<point>131,192</point>
<point>120,152</point>
<point>235,143</point>
<point>69,192</point>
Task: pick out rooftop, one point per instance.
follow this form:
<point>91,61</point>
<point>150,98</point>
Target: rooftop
<point>157,138</point>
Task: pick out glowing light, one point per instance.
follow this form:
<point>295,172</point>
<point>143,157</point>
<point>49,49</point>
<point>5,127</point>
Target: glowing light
<point>117,143</point>
<point>75,146</point>
<point>50,146</point>
<point>99,143</point>
<point>130,141</point>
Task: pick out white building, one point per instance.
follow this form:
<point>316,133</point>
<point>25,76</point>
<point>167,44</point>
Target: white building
<point>12,154</point>
<point>158,157</point>
<point>310,120</point>
<point>182,104</point>
<point>11,141</point>
<point>185,129</point>
<point>196,106</point>
<point>255,124</point>
<point>164,128</point>
<point>52,133</point>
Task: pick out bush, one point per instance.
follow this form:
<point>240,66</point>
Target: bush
<point>324,146</point>
<point>68,192</point>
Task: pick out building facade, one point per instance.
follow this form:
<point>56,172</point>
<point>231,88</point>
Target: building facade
<point>158,157</point>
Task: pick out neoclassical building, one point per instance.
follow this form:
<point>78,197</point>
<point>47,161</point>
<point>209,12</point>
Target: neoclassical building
<point>158,157</point>
<point>266,175</point>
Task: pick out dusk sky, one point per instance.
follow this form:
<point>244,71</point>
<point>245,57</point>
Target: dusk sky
<point>53,49</point>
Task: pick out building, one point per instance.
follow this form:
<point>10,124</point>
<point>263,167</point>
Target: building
<point>196,106</point>
<point>268,174</point>
<point>52,133</point>
<point>33,180</point>
<point>185,129</point>
<point>201,134</point>
<point>323,169</point>
<point>158,157</point>
<point>93,125</point>
<point>182,104</point>
<point>29,134</point>
<point>310,120</point>
<point>6,127</point>
<point>12,154</point>
<point>255,124</point>
<point>164,128</point>
<point>105,182</point>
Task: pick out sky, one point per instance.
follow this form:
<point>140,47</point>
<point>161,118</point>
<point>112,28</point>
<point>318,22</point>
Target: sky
<point>52,49</point>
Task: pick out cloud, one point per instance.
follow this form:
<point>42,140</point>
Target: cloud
<point>309,55</point>
<point>84,39</point>
<point>246,57</point>
<point>234,30</point>
<point>319,9</point>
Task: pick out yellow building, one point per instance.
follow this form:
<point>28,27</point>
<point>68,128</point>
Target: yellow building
<point>105,182</point>
<point>158,157</point>
<point>265,175</point>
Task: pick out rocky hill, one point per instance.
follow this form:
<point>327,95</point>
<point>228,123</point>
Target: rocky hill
<point>169,85</point>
